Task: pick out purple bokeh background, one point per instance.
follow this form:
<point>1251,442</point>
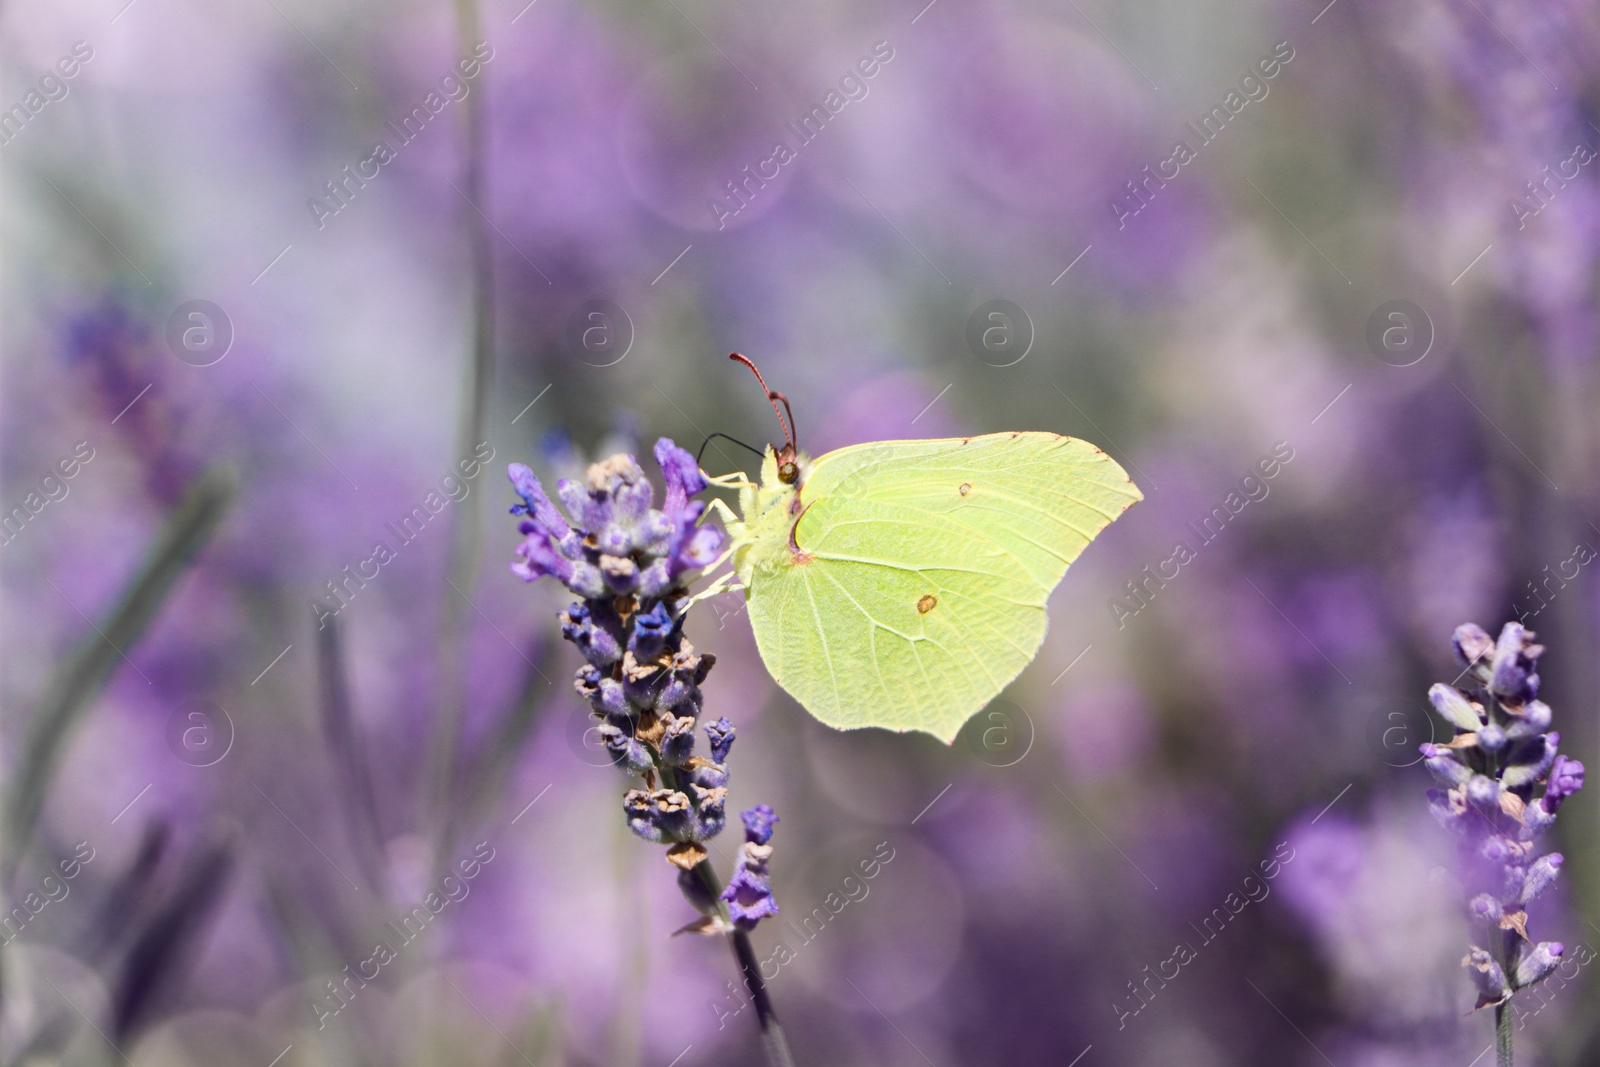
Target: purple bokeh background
<point>1265,701</point>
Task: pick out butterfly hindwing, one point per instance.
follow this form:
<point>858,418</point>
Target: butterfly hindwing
<point>919,591</point>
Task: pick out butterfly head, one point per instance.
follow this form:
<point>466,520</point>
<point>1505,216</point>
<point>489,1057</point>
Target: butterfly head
<point>788,466</point>
<point>783,473</point>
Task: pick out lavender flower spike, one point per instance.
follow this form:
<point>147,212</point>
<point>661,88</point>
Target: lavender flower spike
<point>631,565</point>
<point>1506,783</point>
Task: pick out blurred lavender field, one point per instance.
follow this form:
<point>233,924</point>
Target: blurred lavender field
<point>287,286</point>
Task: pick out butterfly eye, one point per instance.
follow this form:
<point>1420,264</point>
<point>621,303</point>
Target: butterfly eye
<point>788,472</point>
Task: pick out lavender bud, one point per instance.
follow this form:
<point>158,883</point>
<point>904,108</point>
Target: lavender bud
<point>1444,763</point>
<point>1540,875</point>
<point>1491,738</point>
<point>677,741</point>
<point>1534,720</point>
<point>650,632</point>
<point>596,643</point>
<point>1536,819</point>
<point>1483,792</point>
<point>640,812</point>
<point>614,540</point>
<point>626,752</point>
<point>658,579</point>
<point>576,500</point>
<point>543,515</point>
<point>1471,643</point>
<point>603,692</point>
<point>1455,707</point>
<point>1565,778</point>
<point>1485,907</point>
<point>586,581</point>
<point>681,474</point>
<point>721,735</point>
<point>652,536</point>
<point>1498,849</point>
<point>1529,761</point>
<point>632,502</point>
<point>710,812</point>
<point>1538,964</point>
<point>660,815</point>
<point>708,775</point>
<point>758,823</point>
<point>620,574</point>
<point>1487,976</point>
<point>1450,809</point>
<point>1513,677</point>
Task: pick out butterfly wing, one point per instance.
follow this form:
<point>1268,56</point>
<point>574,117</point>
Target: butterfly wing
<point>919,589</point>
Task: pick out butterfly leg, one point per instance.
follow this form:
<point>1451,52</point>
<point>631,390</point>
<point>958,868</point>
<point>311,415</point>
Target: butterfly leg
<point>738,532</point>
<point>722,584</point>
<point>731,480</point>
<point>721,509</point>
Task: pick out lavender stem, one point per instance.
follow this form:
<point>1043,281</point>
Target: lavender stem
<point>773,1041</point>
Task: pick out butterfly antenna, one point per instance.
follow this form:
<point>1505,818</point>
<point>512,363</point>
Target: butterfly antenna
<point>772,398</point>
<point>725,437</point>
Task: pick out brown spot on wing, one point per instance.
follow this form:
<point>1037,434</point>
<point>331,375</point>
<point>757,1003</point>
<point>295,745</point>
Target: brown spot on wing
<point>966,487</point>
<point>927,604</point>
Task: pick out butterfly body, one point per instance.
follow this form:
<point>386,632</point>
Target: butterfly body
<point>770,509</point>
<point>902,584</point>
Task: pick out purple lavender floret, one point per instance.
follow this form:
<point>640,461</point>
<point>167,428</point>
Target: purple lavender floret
<point>749,898</point>
<point>721,735</point>
<point>1506,782</point>
<point>749,893</point>
<point>758,823</point>
<point>631,565</point>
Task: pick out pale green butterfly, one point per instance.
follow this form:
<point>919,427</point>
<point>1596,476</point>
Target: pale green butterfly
<point>902,584</point>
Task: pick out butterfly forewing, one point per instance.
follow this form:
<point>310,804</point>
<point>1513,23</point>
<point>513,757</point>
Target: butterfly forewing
<point>919,591</point>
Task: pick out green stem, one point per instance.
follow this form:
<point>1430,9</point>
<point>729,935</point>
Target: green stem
<point>773,1041</point>
<point>1502,1034</point>
<point>466,531</point>
<point>79,680</point>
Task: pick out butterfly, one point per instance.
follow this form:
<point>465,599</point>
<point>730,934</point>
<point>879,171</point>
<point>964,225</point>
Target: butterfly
<point>902,584</point>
